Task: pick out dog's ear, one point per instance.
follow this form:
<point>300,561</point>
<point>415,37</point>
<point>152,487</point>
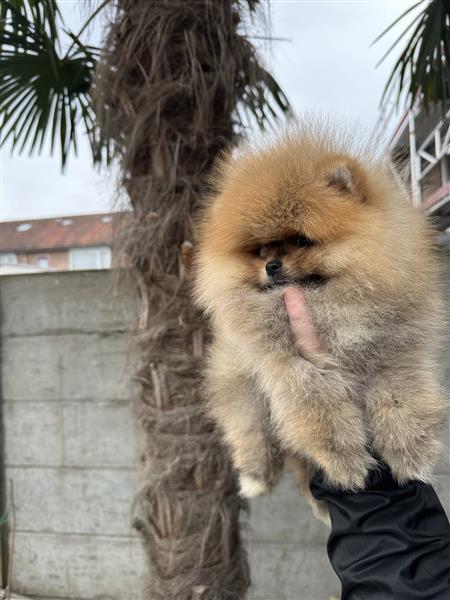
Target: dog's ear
<point>347,179</point>
<point>342,178</point>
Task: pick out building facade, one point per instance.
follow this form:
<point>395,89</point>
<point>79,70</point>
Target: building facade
<point>81,242</point>
<point>421,148</point>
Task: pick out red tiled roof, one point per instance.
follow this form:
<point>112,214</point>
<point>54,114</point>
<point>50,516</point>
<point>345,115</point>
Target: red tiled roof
<point>56,233</point>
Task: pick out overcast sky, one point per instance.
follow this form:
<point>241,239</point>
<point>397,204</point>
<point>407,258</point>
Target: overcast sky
<point>326,64</point>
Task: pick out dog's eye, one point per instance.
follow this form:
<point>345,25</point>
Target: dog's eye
<point>301,241</point>
<point>267,248</point>
<point>255,250</point>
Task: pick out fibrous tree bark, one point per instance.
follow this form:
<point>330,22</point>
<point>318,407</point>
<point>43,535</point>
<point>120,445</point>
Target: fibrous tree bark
<point>171,79</point>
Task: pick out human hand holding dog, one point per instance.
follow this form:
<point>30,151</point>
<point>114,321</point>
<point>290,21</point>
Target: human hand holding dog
<point>305,335</point>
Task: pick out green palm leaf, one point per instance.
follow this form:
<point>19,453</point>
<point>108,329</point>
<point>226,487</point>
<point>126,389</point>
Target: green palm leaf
<point>423,68</point>
<point>46,95</point>
<point>264,101</point>
<point>42,91</point>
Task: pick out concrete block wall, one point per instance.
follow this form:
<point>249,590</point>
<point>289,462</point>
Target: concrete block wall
<point>70,450</point>
<point>70,454</point>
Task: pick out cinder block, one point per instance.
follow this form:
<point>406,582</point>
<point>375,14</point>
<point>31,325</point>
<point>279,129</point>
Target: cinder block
<point>441,485</point>
<point>284,516</point>
<point>286,571</point>
<point>99,367</point>
<point>85,501</point>
<point>72,566</point>
<point>100,433</point>
<point>70,433</point>
<point>34,432</point>
<point>66,302</point>
<point>82,367</point>
<point>31,369</point>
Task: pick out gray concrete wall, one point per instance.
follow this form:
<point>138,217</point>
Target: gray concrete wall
<point>70,451</point>
<point>69,440</point>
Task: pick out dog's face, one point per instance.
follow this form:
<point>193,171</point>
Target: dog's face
<point>282,218</point>
<point>284,261</point>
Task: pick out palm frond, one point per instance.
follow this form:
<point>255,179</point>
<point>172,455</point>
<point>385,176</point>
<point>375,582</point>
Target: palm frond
<point>264,100</point>
<point>45,94</point>
<point>423,68</point>
<point>42,12</point>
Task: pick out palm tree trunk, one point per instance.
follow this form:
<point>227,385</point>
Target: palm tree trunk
<point>167,86</point>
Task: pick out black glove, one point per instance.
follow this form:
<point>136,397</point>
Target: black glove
<point>388,542</point>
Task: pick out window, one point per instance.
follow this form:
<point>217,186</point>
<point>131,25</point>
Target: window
<point>23,227</point>
<point>42,262</point>
<point>90,258</point>
<point>8,258</point>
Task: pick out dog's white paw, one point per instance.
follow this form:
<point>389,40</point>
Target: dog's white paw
<point>249,487</point>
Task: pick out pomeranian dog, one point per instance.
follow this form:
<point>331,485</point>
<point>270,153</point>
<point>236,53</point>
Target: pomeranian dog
<point>310,211</point>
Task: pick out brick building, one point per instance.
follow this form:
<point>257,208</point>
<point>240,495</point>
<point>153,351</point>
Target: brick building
<point>81,242</point>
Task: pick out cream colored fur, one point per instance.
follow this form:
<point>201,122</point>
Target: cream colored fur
<point>377,316</point>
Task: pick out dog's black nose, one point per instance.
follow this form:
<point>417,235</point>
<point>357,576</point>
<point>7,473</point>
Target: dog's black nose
<point>273,266</point>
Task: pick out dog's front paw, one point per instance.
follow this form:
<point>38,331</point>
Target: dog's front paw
<point>348,468</point>
<point>251,486</point>
<point>413,460</point>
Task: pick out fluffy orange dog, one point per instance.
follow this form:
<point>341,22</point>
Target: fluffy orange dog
<point>312,212</point>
